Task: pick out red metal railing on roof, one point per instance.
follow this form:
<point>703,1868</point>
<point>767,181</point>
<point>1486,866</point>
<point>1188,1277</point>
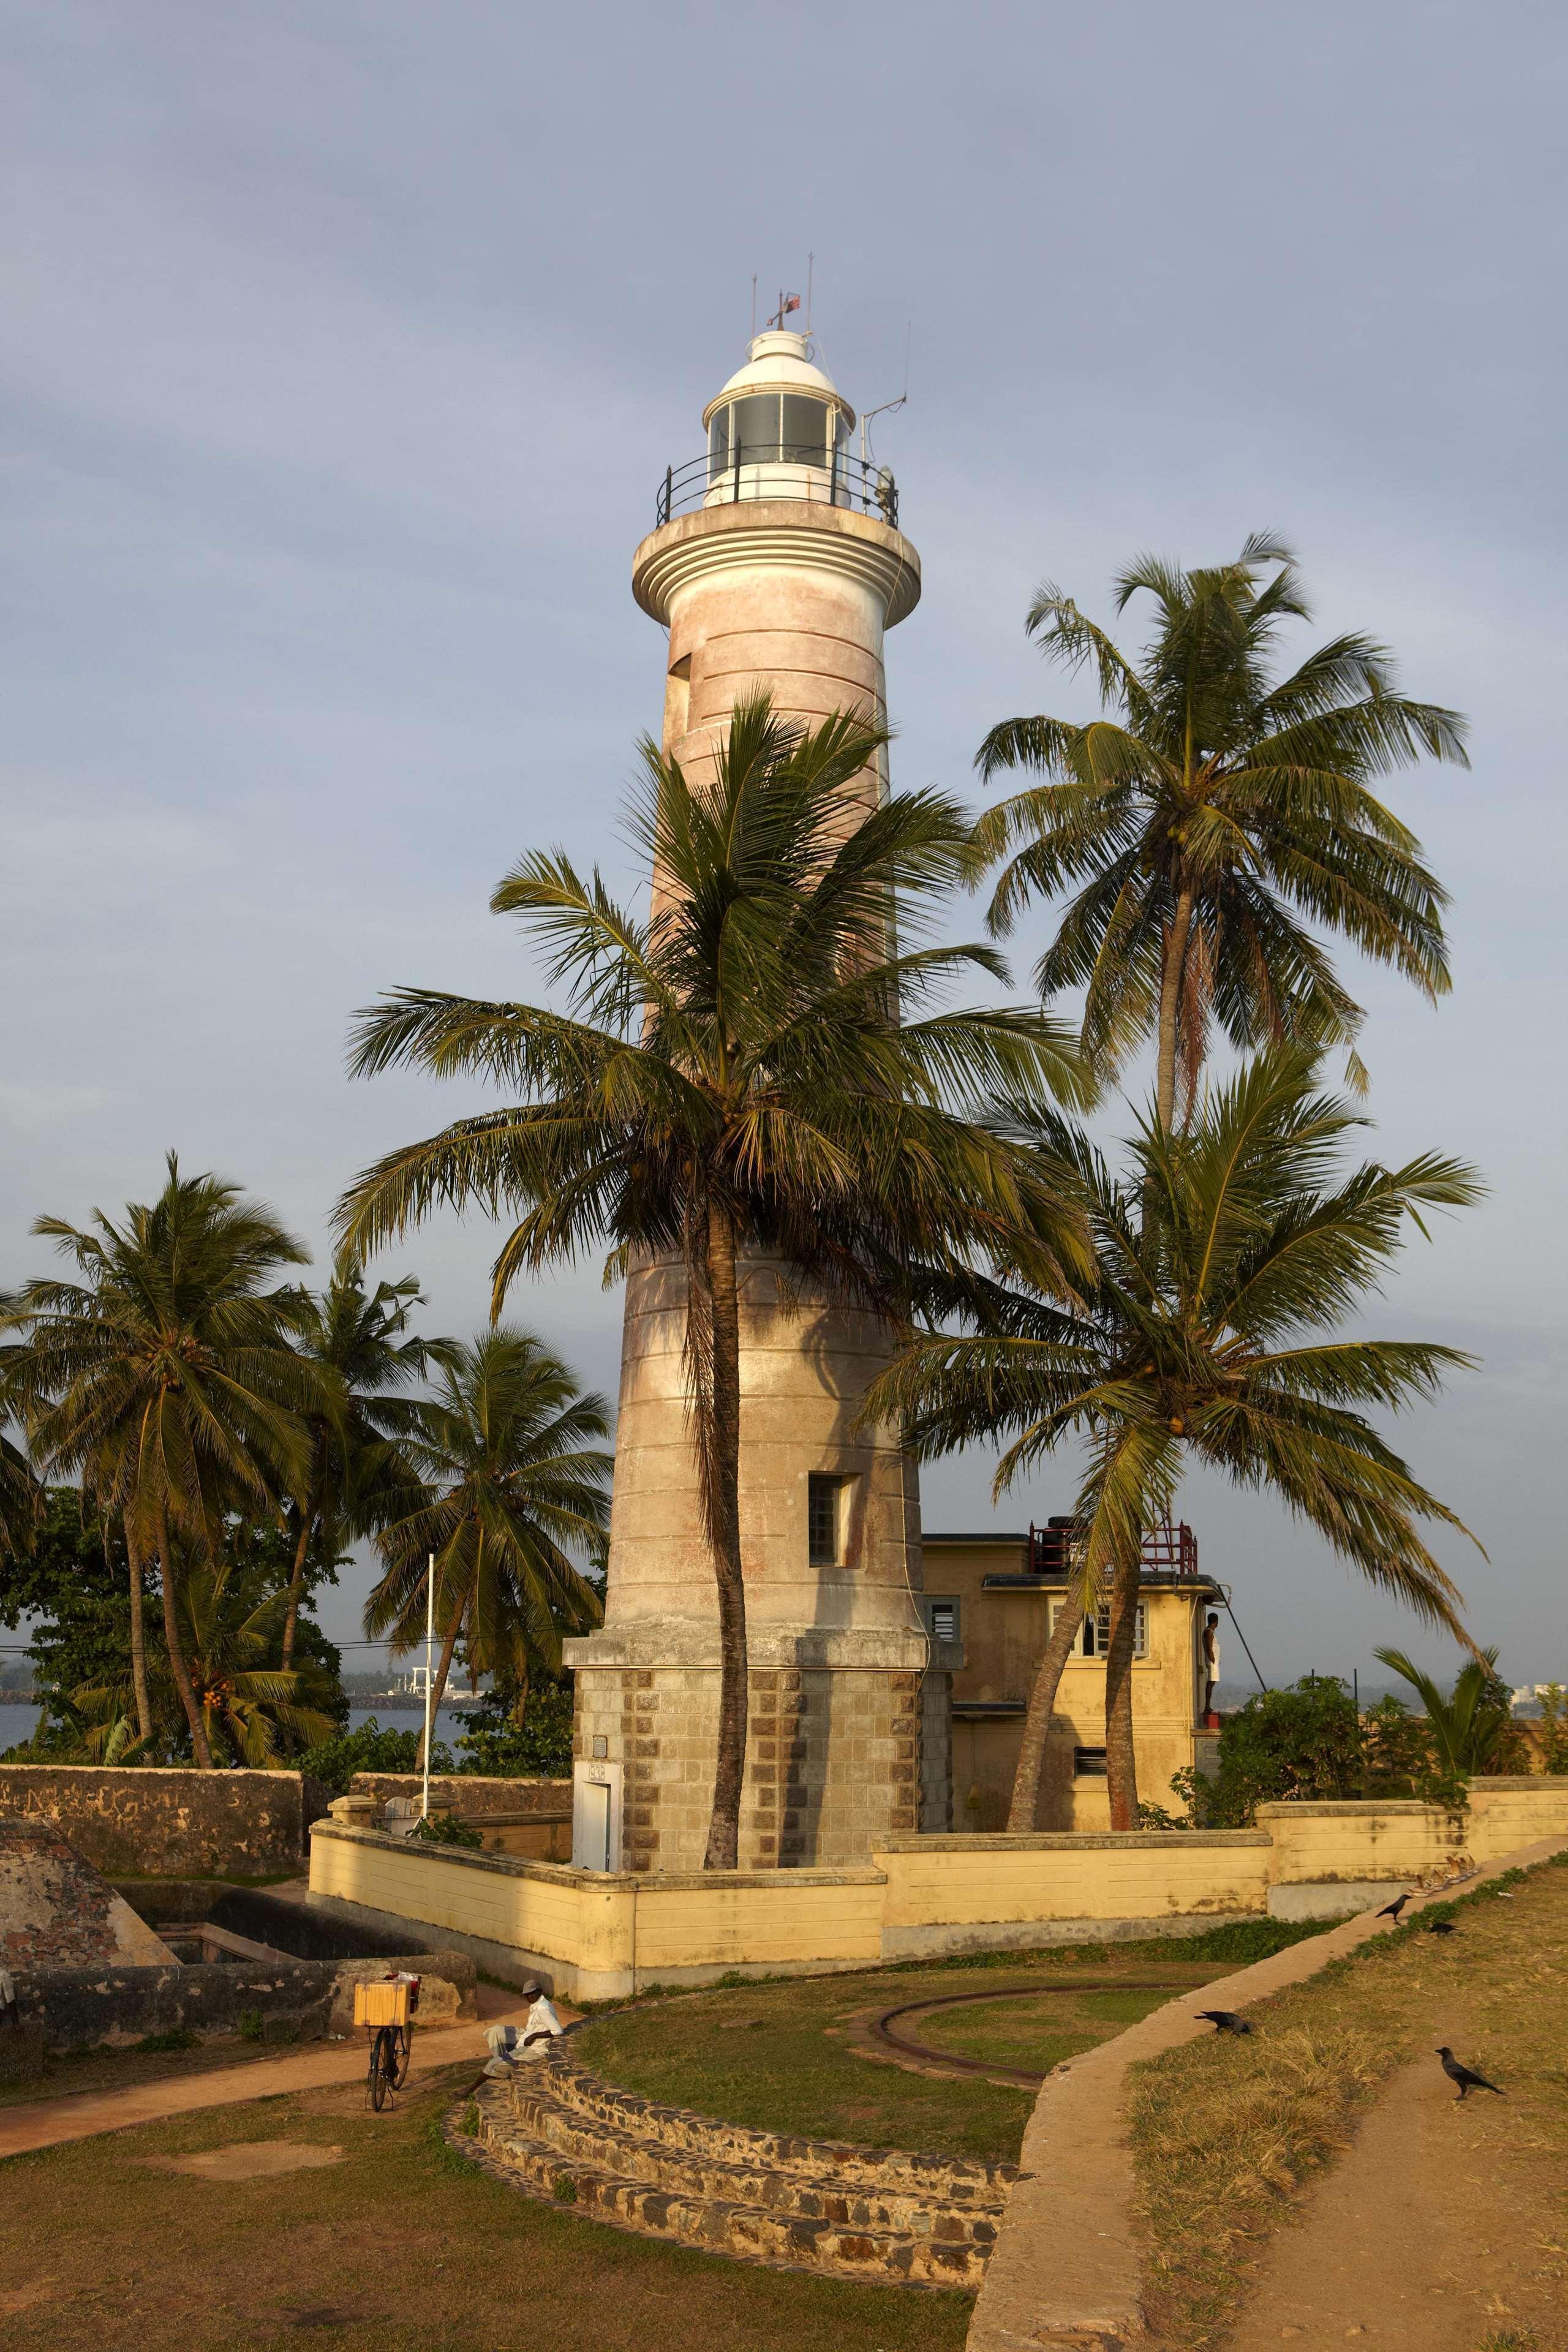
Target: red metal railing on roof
<point>1168,1550</point>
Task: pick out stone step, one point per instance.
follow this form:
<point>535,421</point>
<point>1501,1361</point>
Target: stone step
<point>581,2138</point>
<point>745,2232</point>
<point>950,2181</point>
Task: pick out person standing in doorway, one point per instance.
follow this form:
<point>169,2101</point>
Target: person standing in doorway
<point>1211,1660</point>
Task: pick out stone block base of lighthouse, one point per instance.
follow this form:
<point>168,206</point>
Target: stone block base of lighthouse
<point>848,1728</point>
<point>848,1739</point>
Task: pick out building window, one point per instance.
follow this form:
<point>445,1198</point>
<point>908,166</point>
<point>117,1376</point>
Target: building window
<point>1094,1633</point>
<point>1088,1764</point>
<point>941,1620</point>
<point>825,1521</point>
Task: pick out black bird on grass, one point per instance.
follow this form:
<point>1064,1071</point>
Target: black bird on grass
<point>1466,2077</point>
<point>1225,2020</point>
<point>1392,1910</point>
<point>1441,1927</point>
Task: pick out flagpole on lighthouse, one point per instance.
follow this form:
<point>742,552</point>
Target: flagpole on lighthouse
<point>429,1676</point>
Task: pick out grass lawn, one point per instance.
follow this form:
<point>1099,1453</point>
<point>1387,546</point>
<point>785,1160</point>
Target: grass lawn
<point>1037,2030</point>
<point>778,2055</point>
<point>1228,2134</point>
<point>400,2247</point>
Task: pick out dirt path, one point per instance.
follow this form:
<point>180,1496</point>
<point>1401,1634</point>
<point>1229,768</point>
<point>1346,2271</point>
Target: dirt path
<point>45,2123</point>
<point>1434,2230</point>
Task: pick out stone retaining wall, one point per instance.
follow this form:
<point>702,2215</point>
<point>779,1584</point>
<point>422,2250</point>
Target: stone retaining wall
<point>88,2009</point>
<point>874,2214</point>
<point>146,1821</point>
<point>468,1794</point>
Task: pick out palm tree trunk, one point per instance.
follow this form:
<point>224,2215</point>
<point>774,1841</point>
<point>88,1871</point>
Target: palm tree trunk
<point>1171,1002</point>
<point>1025,1805</point>
<point>724,1530</point>
<point>177,1667</point>
<point>296,1577</point>
<point>138,1630</point>
<point>520,1703</point>
<point>1121,1763</point>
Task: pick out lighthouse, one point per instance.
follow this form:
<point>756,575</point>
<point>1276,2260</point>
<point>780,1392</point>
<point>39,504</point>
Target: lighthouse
<point>776,564</point>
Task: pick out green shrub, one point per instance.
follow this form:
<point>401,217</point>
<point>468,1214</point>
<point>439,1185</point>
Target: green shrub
<point>1303,1742</point>
<point>446,1828</point>
<point>251,2026</point>
<point>178,2037</point>
<point>335,1761</point>
<point>537,1749</point>
<point>1554,1701</point>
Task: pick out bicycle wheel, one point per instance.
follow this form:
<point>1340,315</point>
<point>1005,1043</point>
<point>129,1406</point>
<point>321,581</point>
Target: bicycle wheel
<point>383,2065</point>
<point>401,2042</point>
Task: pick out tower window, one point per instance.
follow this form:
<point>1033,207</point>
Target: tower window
<point>825,1521</point>
<point>1088,1764</point>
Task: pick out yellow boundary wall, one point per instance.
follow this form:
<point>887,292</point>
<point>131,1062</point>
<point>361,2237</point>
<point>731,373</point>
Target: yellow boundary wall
<point>599,1935</point>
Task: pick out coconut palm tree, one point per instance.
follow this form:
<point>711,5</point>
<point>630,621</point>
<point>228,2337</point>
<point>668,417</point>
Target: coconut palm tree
<point>164,1376</point>
<point>733,1074</point>
<point>505,1452</point>
<point>1471,1723</point>
<point>1223,1252</point>
<point>231,1629</point>
<point>21,1498</point>
<point>1212,817</point>
<point>355,1476</point>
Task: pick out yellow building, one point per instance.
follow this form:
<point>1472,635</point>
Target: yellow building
<point>997,1595</point>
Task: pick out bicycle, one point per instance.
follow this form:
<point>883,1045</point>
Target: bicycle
<point>386,2010</point>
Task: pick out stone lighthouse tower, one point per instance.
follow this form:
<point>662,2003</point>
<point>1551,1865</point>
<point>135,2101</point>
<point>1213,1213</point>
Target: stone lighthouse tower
<point>776,562</point>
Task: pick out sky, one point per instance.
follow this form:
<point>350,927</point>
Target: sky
<point>344,346</point>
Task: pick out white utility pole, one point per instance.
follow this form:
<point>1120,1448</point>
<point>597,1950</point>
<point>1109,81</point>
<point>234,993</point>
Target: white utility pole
<point>429,1676</point>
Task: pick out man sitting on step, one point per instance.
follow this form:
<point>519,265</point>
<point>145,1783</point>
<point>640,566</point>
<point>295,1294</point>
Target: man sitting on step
<point>508,2043</point>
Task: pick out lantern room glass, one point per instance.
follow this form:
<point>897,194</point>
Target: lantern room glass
<point>773,428</point>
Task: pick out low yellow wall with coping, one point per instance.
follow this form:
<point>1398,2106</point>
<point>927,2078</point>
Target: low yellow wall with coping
<point>596,1934</point>
<point>1506,1814</point>
<point>599,1935</point>
<point>1353,1844</point>
<point>977,1893</point>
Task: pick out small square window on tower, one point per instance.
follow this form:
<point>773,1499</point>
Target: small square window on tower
<point>825,1520</point>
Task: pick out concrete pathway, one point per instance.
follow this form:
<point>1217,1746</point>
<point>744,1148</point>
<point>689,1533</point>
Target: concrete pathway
<point>83,2115</point>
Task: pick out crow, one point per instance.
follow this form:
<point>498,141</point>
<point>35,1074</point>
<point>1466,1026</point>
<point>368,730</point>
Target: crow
<point>1441,1927</point>
<point>1392,1910</point>
<point>1466,2077</point>
<point>1225,2020</point>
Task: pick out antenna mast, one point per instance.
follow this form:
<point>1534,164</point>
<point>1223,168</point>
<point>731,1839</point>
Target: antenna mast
<point>888,406</point>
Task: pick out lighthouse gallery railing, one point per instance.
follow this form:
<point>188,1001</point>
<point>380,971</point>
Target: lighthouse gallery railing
<point>841,480</point>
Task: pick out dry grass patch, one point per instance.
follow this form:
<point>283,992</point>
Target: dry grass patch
<point>1229,2131</point>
